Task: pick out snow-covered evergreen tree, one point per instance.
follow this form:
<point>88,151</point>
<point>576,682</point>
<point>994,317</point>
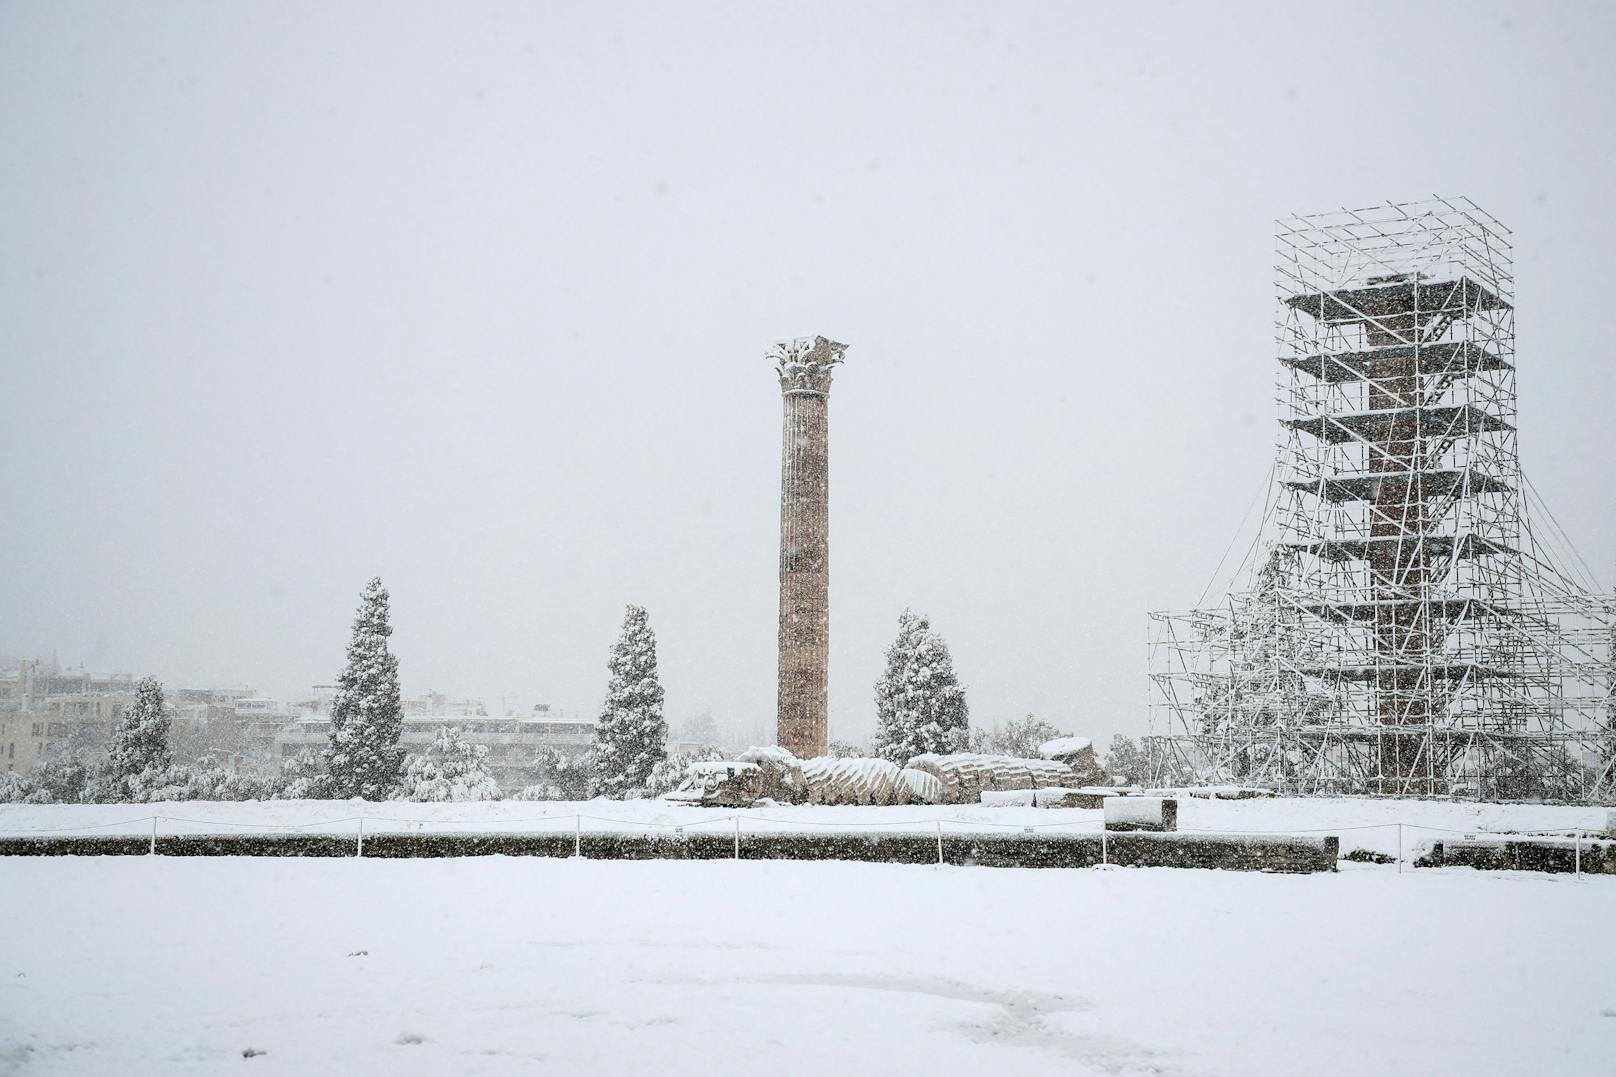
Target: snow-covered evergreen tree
<point>1126,762</point>
<point>1022,738</point>
<point>140,740</point>
<point>701,729</point>
<point>304,777</point>
<point>364,757</point>
<point>158,784</point>
<point>919,703</point>
<point>632,736</point>
<point>557,776</point>
<point>670,772</point>
<point>14,788</point>
<point>205,781</point>
<point>452,769</point>
<point>75,772</point>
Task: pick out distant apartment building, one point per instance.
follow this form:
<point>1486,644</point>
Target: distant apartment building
<point>238,734</point>
<point>43,707</point>
<point>513,740</point>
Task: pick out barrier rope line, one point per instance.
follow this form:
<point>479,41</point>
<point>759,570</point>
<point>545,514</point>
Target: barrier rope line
<point>75,829</point>
<point>916,825</point>
<point>259,826</point>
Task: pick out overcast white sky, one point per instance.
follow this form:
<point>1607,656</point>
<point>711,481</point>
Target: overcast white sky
<point>476,297</point>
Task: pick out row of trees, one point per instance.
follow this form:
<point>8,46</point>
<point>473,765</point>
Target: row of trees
<point>137,765</point>
<point>920,707</point>
<point>365,757</point>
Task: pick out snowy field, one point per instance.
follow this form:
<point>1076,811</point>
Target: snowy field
<point>495,965</point>
<point>1359,823</point>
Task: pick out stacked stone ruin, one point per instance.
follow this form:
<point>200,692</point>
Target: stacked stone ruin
<point>961,778</point>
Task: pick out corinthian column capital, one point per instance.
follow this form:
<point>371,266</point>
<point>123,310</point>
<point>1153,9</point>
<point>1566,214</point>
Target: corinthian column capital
<point>804,364</point>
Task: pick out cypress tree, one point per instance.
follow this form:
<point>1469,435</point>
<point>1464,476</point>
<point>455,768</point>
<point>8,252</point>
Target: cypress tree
<point>632,736</point>
<point>919,703</point>
<point>140,741</point>
<point>364,757</point>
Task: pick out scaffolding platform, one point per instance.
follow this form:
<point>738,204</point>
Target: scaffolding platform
<point>1449,671</point>
<point>1441,421</point>
<point>1397,298</point>
<point>1454,358</point>
<point>1399,610</point>
<point>1438,546</point>
<point>1402,485</point>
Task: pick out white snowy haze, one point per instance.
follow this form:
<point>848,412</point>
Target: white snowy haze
<point>475,298</point>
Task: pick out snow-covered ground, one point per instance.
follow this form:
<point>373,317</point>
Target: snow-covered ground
<point>495,965</point>
<point>1359,823</point>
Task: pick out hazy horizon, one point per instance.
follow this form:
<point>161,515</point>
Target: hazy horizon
<point>477,300</point>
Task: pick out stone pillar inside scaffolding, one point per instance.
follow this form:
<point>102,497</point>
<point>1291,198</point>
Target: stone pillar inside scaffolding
<point>804,367</point>
<point>1396,329</point>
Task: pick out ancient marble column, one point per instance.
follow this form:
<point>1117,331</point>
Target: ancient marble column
<point>804,367</point>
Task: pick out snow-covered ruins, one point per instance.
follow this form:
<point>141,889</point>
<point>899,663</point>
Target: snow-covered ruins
<point>419,649</point>
<point>1406,659</point>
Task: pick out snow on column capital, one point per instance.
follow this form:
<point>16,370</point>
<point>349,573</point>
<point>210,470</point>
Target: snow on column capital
<point>804,366</point>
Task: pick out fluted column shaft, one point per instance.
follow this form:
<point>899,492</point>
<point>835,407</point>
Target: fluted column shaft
<point>804,645</point>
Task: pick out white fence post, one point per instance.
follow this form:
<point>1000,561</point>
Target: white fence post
<point>578,836</point>
<point>153,849</point>
<point>939,843</point>
<point>1105,853</point>
<point>1579,853</point>
<point>359,850</point>
<point>737,837</point>
<point>1399,848</point>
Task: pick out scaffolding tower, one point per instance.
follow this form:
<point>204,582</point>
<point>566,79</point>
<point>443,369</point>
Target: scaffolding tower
<point>1401,627</point>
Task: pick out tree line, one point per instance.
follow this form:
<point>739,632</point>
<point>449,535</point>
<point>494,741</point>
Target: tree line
<point>920,707</point>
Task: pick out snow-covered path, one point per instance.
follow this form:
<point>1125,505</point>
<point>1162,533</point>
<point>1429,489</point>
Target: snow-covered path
<point>494,965</point>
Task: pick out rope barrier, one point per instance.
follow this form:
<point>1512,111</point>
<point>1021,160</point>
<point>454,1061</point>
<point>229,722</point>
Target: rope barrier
<point>259,826</point>
<point>74,829</point>
<point>832,822</point>
<point>522,819</point>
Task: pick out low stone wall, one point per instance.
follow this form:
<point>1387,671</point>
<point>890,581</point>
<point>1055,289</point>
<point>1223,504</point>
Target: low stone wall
<point>1228,852</point>
<point>1023,850</point>
<point>1556,855</point>
<point>75,845</point>
<point>263,844</point>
